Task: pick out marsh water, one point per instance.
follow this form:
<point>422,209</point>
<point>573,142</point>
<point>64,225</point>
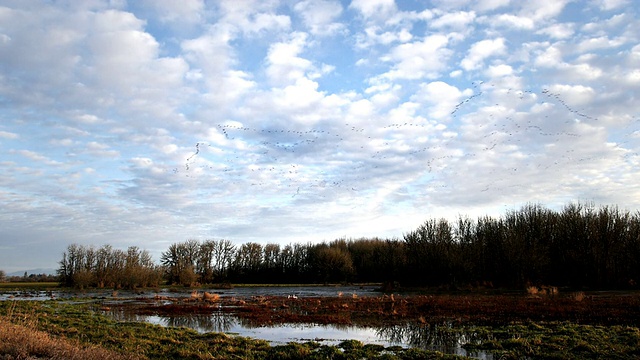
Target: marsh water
<point>238,292</point>
<point>438,337</point>
<point>434,337</point>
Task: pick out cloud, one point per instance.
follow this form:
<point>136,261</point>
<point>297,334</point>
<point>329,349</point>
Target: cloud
<point>489,5</point>
<point>8,135</point>
<point>578,95</point>
<point>482,50</point>
<point>188,11</point>
<point>499,70</point>
<point>37,157</point>
<point>608,5</point>
<point>512,21</point>
<point>284,64</point>
<point>599,43</point>
<point>459,20</point>
<point>374,9</point>
<point>543,11</point>
<point>559,31</point>
<point>320,16</point>
<point>441,97</point>
<point>418,59</point>
<point>252,17</point>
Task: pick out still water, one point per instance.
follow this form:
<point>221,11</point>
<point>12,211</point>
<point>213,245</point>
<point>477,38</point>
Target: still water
<point>425,336</point>
<point>238,292</point>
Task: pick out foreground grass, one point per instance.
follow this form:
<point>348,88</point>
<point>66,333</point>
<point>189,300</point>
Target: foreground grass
<point>559,340</point>
<point>77,324</point>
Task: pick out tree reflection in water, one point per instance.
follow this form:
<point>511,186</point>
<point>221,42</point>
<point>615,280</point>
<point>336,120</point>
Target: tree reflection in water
<point>214,322</point>
<point>442,337</point>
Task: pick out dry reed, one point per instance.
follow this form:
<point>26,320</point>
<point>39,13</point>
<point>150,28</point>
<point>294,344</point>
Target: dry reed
<point>578,296</point>
<point>211,297</point>
<point>24,342</point>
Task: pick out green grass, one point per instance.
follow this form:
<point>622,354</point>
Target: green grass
<point>560,340</point>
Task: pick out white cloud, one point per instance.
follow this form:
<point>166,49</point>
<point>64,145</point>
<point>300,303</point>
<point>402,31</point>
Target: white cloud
<point>481,51</point>
<point>459,20</point>
<point>185,11</point>
<point>212,62</point>
<point>513,21</point>
<point>559,31</point>
<point>285,66</point>
<point>576,95</point>
<point>551,57</point>
<point>298,98</point>
<point>37,157</point>
<point>441,97</point>
<point>101,150</point>
<point>499,70</point>
<point>610,4</point>
<point>632,77</point>
<point>8,135</point>
<point>489,5</point>
<point>376,9</point>
<point>543,11</point>
<point>252,17</point>
<point>420,59</point>
<point>375,35</point>
<point>602,27</point>
<point>599,43</point>
<point>320,16</point>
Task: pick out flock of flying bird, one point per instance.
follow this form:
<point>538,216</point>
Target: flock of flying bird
<point>348,156</point>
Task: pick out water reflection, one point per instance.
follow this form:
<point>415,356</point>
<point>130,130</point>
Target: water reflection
<point>440,337</point>
<point>216,322</point>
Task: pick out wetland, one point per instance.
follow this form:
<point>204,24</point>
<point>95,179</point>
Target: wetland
<point>351,321</point>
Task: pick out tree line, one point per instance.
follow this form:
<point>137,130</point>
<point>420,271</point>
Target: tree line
<point>578,246</point>
<point>28,277</point>
<point>85,266</point>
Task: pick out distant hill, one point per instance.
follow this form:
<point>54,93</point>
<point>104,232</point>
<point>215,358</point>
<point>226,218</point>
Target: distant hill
<point>33,271</point>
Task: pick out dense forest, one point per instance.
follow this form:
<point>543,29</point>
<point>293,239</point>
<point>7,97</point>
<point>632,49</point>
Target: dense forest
<point>579,246</point>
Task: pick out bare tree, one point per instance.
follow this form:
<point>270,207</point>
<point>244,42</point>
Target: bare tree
<point>180,262</point>
<point>223,255</point>
<point>248,261</point>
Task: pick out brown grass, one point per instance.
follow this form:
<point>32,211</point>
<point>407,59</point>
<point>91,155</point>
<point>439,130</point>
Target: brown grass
<point>23,342</point>
<point>211,297</point>
<point>542,291</point>
<point>578,296</point>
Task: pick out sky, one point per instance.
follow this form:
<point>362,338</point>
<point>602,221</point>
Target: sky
<point>151,122</point>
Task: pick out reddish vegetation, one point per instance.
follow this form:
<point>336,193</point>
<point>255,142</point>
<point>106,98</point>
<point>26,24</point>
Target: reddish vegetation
<point>602,309</point>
